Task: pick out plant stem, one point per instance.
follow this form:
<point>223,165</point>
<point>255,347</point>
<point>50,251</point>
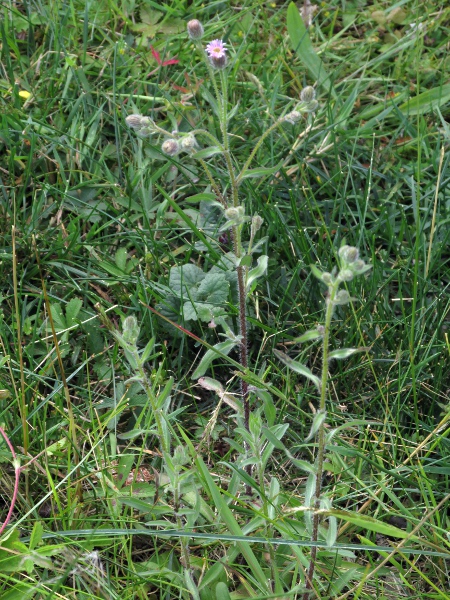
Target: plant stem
<point>332,291</point>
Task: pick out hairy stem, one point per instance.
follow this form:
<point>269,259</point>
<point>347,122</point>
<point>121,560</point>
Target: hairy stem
<point>332,291</point>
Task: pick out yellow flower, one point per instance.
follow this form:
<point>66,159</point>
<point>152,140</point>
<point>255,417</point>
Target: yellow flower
<point>24,94</point>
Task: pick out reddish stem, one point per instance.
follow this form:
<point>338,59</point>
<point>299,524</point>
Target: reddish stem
<point>16,483</point>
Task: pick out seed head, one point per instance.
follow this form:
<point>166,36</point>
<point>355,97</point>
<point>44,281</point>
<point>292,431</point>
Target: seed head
<point>170,147</point>
<point>195,29</point>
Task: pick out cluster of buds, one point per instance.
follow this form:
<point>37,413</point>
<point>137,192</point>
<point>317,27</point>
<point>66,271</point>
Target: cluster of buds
<point>308,104</point>
<point>142,125</point>
<point>350,263</point>
<point>235,216</point>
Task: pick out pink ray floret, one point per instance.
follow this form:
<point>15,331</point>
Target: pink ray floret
<point>216,49</point>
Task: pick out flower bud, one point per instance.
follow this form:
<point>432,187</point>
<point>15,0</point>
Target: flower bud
<point>348,254</point>
<point>195,29</point>
<point>130,330</point>
<point>134,122</point>
<point>346,275</point>
<point>188,143</point>
<point>307,94</point>
<point>311,106</point>
<point>257,222</point>
<point>327,278</point>
<point>293,117</point>
<point>234,213</point>
<point>342,297</point>
<point>170,147</point>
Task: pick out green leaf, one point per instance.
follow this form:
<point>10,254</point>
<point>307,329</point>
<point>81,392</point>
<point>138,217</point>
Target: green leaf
<point>121,259</point>
<point>319,418</point>
<point>368,523</point>
<point>207,152</point>
<point>258,271</point>
<point>73,308</point>
<point>345,352</point>
<point>308,336</point>
<point>298,368</point>
<point>427,101</point>
<point>302,45</point>
<point>223,347</point>
<point>260,172</point>
<point>185,278</point>
<point>214,288</point>
<point>222,592</point>
<point>231,524</point>
<point>59,320</point>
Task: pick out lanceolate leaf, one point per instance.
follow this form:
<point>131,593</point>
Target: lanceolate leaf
<point>302,45</point>
<point>298,368</point>
<point>223,347</point>
<point>346,352</point>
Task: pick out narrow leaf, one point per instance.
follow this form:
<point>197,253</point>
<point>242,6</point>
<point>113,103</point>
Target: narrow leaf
<point>346,352</point>
<point>222,347</point>
<point>298,368</point>
<point>302,45</point>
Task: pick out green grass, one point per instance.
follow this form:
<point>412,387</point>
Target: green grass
<point>92,215</point>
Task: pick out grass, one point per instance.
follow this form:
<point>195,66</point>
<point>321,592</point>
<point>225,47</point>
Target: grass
<point>93,220</point>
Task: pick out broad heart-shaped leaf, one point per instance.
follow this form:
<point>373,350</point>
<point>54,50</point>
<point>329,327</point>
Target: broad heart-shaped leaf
<point>192,311</point>
<point>303,47</point>
<point>185,278</point>
<point>298,367</point>
<point>426,101</point>
<point>222,347</point>
<point>214,288</point>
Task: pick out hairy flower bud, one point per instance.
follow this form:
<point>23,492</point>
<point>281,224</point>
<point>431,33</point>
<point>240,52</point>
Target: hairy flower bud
<point>307,94</point>
<point>188,143</point>
<point>346,275</point>
<point>130,330</point>
<point>257,222</point>
<point>170,147</point>
<point>134,122</point>
<point>234,213</point>
<point>293,117</point>
<point>195,29</point>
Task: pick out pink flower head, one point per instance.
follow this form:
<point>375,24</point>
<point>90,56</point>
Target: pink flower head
<point>216,51</point>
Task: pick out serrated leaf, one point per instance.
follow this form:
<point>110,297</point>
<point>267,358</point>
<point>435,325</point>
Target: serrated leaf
<point>223,347</point>
<point>298,368</point>
<point>208,152</point>
<point>73,308</point>
<point>214,288</point>
<point>345,352</point>
<point>302,45</point>
<point>185,278</point>
<point>59,320</point>
<point>258,271</point>
<point>198,310</point>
